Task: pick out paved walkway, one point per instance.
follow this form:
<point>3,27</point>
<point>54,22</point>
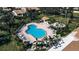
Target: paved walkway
<point>68,39</point>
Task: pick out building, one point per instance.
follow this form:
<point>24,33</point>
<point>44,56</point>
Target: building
<point>20,11</point>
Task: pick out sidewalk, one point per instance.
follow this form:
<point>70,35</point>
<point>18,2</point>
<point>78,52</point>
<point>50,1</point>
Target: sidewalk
<point>68,39</point>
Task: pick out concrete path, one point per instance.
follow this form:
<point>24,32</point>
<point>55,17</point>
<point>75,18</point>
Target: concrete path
<point>68,39</point>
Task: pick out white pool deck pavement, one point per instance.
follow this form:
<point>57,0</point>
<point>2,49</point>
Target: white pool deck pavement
<point>39,25</point>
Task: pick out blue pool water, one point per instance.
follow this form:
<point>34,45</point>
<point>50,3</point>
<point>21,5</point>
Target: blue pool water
<point>36,32</point>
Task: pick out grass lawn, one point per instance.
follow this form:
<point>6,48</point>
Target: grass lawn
<point>76,14</point>
<point>11,46</point>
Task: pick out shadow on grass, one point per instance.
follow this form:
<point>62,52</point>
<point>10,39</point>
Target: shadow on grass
<point>3,42</point>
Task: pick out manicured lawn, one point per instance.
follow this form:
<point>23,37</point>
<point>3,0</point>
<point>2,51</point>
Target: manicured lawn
<point>9,47</point>
<point>12,46</point>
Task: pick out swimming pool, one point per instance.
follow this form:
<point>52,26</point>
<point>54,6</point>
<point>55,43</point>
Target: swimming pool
<point>36,32</point>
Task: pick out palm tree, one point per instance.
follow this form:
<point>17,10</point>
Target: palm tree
<point>68,13</point>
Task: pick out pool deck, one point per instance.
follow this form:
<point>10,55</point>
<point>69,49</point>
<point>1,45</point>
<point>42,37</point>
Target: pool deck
<point>44,26</point>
